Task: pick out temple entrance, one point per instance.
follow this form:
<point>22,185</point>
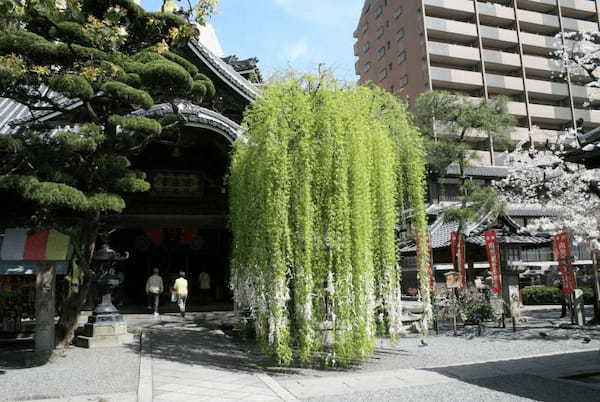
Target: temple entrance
<point>171,250</point>
<point>180,224</point>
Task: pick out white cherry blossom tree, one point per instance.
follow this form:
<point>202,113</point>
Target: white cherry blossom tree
<point>544,178</point>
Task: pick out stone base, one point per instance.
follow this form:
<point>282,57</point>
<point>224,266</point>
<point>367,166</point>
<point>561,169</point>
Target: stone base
<point>100,335</point>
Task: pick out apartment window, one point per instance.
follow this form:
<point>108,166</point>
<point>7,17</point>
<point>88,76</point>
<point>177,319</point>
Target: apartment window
<point>390,66</point>
<point>400,34</point>
<point>403,81</point>
<point>380,32</point>
<point>392,89</point>
<point>365,27</point>
<point>385,3</point>
<point>381,52</point>
<point>389,44</point>
<point>378,11</point>
<point>367,67</point>
<point>401,56</point>
<point>366,47</point>
<point>367,8</point>
<point>398,12</point>
<point>387,24</point>
<point>382,74</point>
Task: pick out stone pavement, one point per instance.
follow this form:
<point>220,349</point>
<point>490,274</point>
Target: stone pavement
<point>190,360</point>
<point>193,359</point>
<point>184,361</point>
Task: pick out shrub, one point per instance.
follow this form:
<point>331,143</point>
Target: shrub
<point>535,295</point>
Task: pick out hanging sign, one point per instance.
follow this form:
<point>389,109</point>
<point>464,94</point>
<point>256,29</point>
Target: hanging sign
<point>460,258</point>
<point>493,255</point>
<point>419,239</point>
<point>562,253</point>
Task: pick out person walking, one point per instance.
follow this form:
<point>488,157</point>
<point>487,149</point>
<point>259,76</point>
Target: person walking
<point>180,287</point>
<point>154,288</point>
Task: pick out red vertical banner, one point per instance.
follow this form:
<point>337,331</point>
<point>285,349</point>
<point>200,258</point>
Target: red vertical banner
<point>460,259</point>
<point>493,255</point>
<point>422,241</point>
<point>562,253</point>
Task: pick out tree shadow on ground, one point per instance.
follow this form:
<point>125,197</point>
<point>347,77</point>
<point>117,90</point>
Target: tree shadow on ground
<point>212,344</point>
<point>203,342</point>
<point>23,359</point>
<point>538,378</point>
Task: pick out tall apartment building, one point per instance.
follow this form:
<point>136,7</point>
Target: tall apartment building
<point>481,49</point>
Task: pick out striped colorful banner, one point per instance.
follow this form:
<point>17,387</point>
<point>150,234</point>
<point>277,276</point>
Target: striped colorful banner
<point>19,245</point>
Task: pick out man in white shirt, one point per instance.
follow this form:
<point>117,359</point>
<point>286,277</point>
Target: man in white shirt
<point>154,288</point>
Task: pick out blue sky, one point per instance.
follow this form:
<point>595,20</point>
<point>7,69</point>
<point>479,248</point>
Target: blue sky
<point>285,34</point>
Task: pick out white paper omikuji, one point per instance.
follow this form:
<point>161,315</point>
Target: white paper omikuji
<point>543,178</point>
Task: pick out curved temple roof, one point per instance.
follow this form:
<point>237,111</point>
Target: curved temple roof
<point>224,70</point>
<point>196,116</point>
<point>11,111</point>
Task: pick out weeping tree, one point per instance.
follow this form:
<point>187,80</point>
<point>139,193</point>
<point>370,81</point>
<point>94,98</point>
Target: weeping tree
<point>316,185</point>
<point>89,64</point>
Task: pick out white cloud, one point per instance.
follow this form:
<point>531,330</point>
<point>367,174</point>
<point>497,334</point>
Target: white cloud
<point>297,50</point>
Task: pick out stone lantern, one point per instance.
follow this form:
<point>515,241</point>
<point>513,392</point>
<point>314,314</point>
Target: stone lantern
<point>105,327</point>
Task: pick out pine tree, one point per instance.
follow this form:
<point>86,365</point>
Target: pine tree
<point>90,63</point>
<point>446,119</point>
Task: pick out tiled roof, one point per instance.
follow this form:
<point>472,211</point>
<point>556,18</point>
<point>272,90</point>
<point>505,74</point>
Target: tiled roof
<point>10,111</point>
<point>197,115</point>
<point>533,211</point>
<point>440,231</point>
<point>512,239</point>
<point>224,70</point>
<point>241,65</point>
<point>15,113</point>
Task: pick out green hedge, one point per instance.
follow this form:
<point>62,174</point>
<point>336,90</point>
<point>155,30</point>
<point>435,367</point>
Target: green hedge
<point>535,295</point>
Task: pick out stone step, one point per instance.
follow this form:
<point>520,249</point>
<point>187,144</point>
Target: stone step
<point>103,340</point>
<point>91,330</point>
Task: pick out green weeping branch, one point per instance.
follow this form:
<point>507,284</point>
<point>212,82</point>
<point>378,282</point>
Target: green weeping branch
<point>316,183</point>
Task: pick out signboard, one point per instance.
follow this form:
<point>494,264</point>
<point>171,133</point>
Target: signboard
<point>459,259</point>
<point>418,245</point>
<point>493,255</point>
<point>562,253</point>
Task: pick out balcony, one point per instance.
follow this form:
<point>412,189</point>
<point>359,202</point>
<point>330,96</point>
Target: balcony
<point>456,55</point>
<point>448,30</point>
<point>459,55</point>
<point>455,79</point>
<point>538,135</point>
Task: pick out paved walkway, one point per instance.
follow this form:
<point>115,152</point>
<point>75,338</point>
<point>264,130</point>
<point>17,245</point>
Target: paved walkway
<point>187,360</point>
<point>193,360</point>
<point>183,361</point>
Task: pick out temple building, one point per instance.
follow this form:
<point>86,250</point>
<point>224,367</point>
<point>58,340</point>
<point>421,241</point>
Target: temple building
<point>180,224</point>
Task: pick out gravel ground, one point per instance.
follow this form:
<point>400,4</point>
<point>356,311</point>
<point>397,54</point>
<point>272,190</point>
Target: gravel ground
<point>495,344</point>
<point>504,388</point>
<point>78,372</point>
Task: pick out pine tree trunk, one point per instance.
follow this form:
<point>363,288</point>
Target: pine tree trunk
<point>84,244</point>
<point>65,329</point>
<point>45,290</point>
